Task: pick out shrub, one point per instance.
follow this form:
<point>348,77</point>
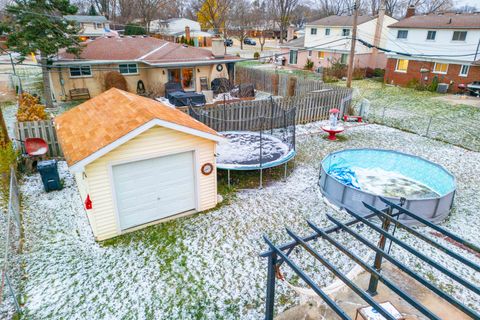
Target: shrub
<point>115,79</point>
<point>358,74</point>
<point>308,65</point>
<point>433,85</point>
<point>30,109</point>
<point>329,79</point>
<point>133,29</point>
<point>256,55</point>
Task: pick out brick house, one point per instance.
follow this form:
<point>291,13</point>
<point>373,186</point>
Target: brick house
<point>442,46</point>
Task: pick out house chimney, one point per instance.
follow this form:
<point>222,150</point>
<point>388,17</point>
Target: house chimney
<point>290,32</point>
<point>187,33</point>
<point>410,11</point>
<point>218,47</point>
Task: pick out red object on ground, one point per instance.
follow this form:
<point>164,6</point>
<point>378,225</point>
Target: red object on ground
<point>352,118</point>
<point>88,203</point>
<point>36,147</point>
<point>332,132</point>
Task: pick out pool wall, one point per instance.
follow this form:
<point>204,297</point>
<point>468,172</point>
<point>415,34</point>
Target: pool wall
<point>433,209</point>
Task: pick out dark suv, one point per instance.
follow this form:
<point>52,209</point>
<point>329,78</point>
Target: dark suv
<point>249,41</point>
<point>228,42</point>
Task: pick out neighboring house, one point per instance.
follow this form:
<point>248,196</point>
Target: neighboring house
<point>145,62</point>
<point>328,40</point>
<point>91,26</point>
<point>176,28</point>
<point>137,161</point>
<point>445,46</point>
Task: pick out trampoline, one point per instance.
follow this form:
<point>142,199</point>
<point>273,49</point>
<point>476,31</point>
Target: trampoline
<point>257,137</point>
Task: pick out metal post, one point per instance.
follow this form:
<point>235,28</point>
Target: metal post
<point>285,173</point>
<point>228,177</point>
<point>373,284</point>
<point>270,299</point>
<point>428,127</point>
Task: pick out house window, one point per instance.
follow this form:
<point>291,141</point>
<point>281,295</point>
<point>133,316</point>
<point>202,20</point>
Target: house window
<point>184,76</point>
<point>431,35</point>
<point>97,25</point>
<point>321,55</point>
<point>464,70</point>
<point>402,34</point>
<point>327,31</point>
<point>459,36</point>
<point>82,71</point>
<point>128,68</point>
<point>440,68</point>
<point>313,31</point>
<point>344,58</point>
<point>293,57</point>
<point>309,53</point>
<point>402,65</point>
<point>345,32</point>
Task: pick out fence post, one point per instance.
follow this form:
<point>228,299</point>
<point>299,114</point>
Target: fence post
<point>275,83</point>
<point>428,127</point>
<point>292,83</point>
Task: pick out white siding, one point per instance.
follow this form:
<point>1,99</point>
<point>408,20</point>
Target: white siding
<point>155,142</point>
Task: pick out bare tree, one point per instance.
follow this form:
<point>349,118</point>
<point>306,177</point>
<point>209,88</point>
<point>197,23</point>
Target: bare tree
<point>263,21</point>
<point>334,7</point>
<point>241,20</point>
<point>282,10</point>
<point>148,10</point>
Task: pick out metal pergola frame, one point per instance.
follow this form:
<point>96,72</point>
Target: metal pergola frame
<point>279,254</point>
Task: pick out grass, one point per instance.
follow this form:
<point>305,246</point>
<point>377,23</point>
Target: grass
<point>419,112</point>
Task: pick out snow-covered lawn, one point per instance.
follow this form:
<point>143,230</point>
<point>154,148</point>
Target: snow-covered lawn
<point>207,266</point>
<point>422,112</point>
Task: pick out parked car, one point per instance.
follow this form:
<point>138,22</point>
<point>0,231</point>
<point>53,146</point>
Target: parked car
<point>228,42</point>
<point>474,88</point>
<point>249,42</point>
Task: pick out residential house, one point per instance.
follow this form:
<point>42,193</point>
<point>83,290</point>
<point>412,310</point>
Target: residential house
<point>146,64</point>
<point>177,28</point>
<point>444,46</point>
<point>91,26</point>
<point>328,40</point>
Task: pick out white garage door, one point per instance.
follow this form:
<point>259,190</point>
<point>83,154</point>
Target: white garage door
<point>153,189</point>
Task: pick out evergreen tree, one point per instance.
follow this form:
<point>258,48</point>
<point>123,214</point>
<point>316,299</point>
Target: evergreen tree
<point>92,11</point>
<point>38,26</point>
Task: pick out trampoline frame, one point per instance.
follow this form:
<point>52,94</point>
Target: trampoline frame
<point>270,120</point>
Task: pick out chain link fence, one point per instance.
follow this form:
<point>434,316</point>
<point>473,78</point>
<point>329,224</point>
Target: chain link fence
<point>10,244</point>
<point>462,130</point>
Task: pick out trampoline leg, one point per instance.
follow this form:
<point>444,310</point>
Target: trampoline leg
<point>228,177</point>
<point>285,173</point>
<point>261,178</point>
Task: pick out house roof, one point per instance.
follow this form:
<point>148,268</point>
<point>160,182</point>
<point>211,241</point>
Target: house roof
<point>141,48</point>
<point>99,125</point>
<point>340,21</point>
<point>441,21</point>
<point>79,18</point>
<point>296,43</point>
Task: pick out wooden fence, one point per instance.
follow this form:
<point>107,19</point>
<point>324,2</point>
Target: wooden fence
<point>310,107</point>
<point>279,84</point>
<point>38,129</point>
<point>245,115</point>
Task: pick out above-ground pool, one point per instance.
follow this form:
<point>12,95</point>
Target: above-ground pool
<point>350,177</point>
<point>248,150</point>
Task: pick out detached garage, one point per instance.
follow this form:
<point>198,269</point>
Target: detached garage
<point>137,162</point>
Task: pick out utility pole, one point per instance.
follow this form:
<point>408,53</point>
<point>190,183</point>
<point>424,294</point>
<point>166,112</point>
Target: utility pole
<point>352,45</point>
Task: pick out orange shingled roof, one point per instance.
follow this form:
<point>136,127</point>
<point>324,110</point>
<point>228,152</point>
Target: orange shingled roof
<point>102,120</point>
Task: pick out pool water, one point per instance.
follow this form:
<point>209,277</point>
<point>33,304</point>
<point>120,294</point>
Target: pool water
<point>389,173</point>
<point>391,184</point>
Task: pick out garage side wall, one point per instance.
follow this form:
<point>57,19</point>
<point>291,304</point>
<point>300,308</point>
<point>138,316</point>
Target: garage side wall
<point>155,142</point>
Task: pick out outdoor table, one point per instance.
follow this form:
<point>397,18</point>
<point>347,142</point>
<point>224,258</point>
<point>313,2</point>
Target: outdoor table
<point>332,131</point>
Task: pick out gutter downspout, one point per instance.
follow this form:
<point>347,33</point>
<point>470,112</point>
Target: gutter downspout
<point>378,34</point>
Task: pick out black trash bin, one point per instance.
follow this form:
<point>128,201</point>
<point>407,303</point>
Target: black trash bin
<point>49,173</point>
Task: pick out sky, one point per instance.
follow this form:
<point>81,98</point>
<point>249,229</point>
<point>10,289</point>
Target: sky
<point>474,3</point>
